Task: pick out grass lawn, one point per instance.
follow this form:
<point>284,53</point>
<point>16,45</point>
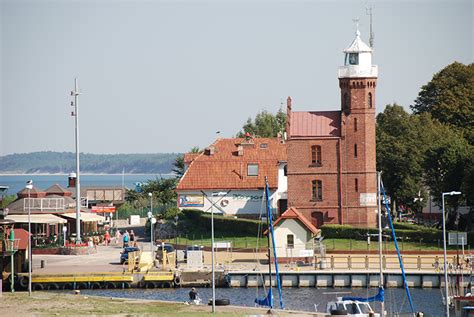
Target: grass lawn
<point>60,304</point>
<point>331,244</point>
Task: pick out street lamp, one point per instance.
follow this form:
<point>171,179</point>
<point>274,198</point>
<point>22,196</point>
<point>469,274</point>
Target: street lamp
<point>150,217</point>
<point>444,244</point>
<point>212,249</point>
<point>29,186</point>
<point>64,232</point>
<point>176,233</point>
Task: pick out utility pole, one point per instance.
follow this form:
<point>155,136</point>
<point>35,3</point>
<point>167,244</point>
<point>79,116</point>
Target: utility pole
<point>75,93</point>
<point>379,212</point>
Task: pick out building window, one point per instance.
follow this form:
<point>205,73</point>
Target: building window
<point>316,155</point>
<point>317,190</point>
<point>252,170</point>
<point>345,103</point>
<point>285,170</point>
<point>353,59</point>
<point>355,124</point>
<point>370,99</point>
<point>356,184</point>
<point>290,241</point>
<point>355,151</point>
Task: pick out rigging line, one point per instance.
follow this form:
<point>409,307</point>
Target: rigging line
<point>257,247</point>
<point>400,260</point>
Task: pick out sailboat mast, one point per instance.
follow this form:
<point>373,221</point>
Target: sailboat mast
<point>379,212</point>
<point>268,246</point>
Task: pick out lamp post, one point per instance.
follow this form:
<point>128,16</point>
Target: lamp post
<point>64,232</point>
<point>176,233</point>
<point>444,248</point>
<point>150,216</point>
<point>29,186</point>
<point>75,93</point>
<point>212,249</point>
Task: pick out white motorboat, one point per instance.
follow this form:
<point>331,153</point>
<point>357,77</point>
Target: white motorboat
<point>350,308</point>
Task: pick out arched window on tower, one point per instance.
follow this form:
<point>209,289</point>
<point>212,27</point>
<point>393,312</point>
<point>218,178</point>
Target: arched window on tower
<point>355,124</point>
<point>355,151</point>
<point>346,103</point>
<point>316,155</point>
<point>370,99</point>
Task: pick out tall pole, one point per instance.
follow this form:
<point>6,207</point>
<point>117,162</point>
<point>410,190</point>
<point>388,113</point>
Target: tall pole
<point>379,212</point>
<point>30,262</point>
<point>212,262</point>
<point>446,293</point>
<point>76,94</point>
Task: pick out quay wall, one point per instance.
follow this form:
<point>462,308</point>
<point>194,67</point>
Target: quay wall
<point>338,279</point>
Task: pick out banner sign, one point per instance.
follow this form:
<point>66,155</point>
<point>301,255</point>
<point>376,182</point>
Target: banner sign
<point>368,199</point>
<point>103,209</point>
<point>191,200</point>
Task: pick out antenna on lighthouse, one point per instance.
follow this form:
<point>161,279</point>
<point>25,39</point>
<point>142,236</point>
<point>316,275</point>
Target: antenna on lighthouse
<point>368,11</point>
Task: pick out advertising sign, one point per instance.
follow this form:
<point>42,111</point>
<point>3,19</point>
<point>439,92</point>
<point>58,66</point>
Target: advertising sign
<point>103,209</point>
<point>191,200</point>
<point>368,199</point>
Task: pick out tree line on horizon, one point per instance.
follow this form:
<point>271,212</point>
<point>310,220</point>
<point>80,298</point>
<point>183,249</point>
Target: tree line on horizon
<point>65,162</point>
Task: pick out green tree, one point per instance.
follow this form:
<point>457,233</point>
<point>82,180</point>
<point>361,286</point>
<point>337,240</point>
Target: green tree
<point>400,155</point>
<point>445,170</point>
<point>178,163</point>
<point>449,97</point>
<point>265,125</point>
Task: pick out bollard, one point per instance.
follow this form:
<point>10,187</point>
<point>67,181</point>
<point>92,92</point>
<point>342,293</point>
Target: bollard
<point>43,262</point>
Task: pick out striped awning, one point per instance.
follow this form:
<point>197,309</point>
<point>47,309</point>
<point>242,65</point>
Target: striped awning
<point>85,216</point>
<point>35,218</point>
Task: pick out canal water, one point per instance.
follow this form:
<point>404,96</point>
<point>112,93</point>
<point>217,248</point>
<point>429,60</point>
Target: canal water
<point>429,301</point>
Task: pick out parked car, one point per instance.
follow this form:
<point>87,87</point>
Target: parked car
<point>159,248</point>
<point>192,248</point>
<point>124,253</point>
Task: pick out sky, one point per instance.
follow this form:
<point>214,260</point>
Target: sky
<point>164,76</point>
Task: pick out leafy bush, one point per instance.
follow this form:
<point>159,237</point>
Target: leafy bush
<point>199,220</point>
<point>402,230</point>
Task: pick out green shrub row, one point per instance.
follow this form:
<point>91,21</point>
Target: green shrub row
<point>232,226</point>
<point>414,233</point>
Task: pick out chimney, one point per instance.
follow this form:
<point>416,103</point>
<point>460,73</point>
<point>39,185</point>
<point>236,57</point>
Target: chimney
<point>288,116</point>
<point>71,180</point>
<point>240,150</point>
<point>210,150</point>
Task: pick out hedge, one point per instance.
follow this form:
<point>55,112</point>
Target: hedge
<point>222,224</point>
<point>415,233</point>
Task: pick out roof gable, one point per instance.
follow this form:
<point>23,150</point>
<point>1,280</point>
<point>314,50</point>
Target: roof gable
<point>293,213</point>
<point>225,167</point>
<point>315,123</point>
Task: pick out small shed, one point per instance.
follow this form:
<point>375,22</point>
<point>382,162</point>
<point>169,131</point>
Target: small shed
<point>294,235</point>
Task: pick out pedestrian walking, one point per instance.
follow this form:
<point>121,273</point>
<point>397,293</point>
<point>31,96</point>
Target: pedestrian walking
<point>132,238</point>
<point>117,237</point>
<point>126,239</point>
<point>107,238</point>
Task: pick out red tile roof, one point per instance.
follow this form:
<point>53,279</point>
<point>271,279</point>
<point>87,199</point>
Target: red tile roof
<point>189,157</point>
<point>293,213</point>
<point>315,123</point>
<point>225,169</point>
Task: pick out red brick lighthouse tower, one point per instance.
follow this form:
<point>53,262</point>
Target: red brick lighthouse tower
<point>357,81</point>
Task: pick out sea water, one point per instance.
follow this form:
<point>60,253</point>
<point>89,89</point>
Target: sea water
<point>18,182</point>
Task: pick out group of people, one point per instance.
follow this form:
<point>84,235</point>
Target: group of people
<point>128,238</point>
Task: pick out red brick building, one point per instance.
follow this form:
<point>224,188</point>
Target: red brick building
<point>331,154</point>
